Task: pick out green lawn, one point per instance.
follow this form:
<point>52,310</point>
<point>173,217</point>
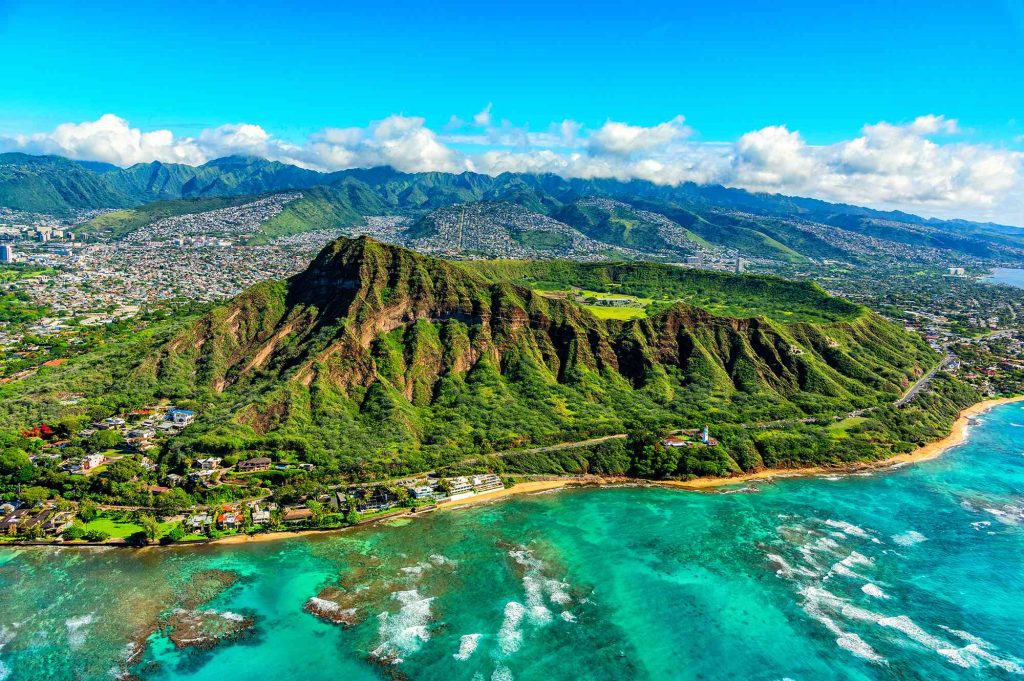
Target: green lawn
<point>841,428</point>
<point>119,529</point>
<point>623,313</point>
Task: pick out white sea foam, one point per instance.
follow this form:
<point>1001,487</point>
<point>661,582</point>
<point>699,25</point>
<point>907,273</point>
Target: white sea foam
<point>568,616</point>
<point>467,646</point>
<point>501,673</point>
<point>874,591</point>
<point>788,571</point>
<point>982,649</point>
<point>844,567</point>
<point>904,624</point>
<point>539,588</point>
<point>856,645</point>
<point>403,632</point>
<point>510,636</point>
<point>76,630</point>
<point>851,529</point>
<point>5,671</point>
<point>814,599</point>
<point>909,538</point>
<point>557,591</point>
<point>322,604</point>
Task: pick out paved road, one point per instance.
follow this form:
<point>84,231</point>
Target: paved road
<point>922,382</point>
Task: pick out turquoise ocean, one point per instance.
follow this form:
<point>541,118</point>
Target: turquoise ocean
<point>912,573</point>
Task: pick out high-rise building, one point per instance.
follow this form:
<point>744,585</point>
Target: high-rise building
<point>6,253</point>
<point>739,265</point>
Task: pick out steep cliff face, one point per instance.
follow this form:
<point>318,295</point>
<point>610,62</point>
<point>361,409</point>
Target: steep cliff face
<point>371,324</point>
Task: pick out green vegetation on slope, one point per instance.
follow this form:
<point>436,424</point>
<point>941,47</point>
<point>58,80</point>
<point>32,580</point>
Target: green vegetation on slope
<point>721,293</point>
<point>378,361</point>
<point>322,208</point>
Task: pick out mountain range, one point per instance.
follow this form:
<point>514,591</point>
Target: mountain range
<point>601,216</point>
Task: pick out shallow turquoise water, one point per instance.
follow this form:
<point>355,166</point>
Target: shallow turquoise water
<point>916,573</point>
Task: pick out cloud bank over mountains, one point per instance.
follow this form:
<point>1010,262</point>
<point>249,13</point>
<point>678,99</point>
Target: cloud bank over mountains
<point>926,166</point>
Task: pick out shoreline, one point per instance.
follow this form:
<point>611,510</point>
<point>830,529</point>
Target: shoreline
<point>957,435</point>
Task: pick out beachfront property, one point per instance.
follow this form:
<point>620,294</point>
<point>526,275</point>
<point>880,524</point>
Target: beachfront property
<point>459,488</point>
<point>42,521</point>
<point>199,523</point>
<point>296,515</point>
<point>259,515</point>
<point>230,517</point>
<point>421,492</point>
<point>486,483</point>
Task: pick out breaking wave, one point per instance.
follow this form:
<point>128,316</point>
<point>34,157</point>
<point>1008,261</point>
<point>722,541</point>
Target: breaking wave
<point>467,646</point>
<point>510,636</point>
<point>403,632</point>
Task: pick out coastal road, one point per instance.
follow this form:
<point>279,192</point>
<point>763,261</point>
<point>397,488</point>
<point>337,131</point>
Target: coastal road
<point>922,383</point>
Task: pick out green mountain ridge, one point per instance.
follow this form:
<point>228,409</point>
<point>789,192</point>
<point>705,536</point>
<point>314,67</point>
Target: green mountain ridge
<point>756,225</point>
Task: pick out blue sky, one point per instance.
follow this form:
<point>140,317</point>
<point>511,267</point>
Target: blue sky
<point>817,69</point>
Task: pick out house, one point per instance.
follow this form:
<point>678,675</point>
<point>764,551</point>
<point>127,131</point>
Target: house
<point>58,522</point>
<point>673,441</point>
<point>38,520</point>
<point>173,479</point>
<point>201,475</point>
<point>12,523</point>
<point>423,492</point>
<point>91,461</point>
<point>489,481</point>
<point>297,515</point>
<point>460,485</point>
<point>199,523</point>
<point>181,417</point>
<point>261,463</point>
<point>209,464</point>
<point>260,516</point>
<point>375,499</point>
<point>230,518</point>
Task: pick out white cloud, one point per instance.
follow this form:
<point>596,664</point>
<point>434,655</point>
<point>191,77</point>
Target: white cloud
<point>623,139</point>
<point>109,139</point>
<point>924,166</point>
<point>483,118</point>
